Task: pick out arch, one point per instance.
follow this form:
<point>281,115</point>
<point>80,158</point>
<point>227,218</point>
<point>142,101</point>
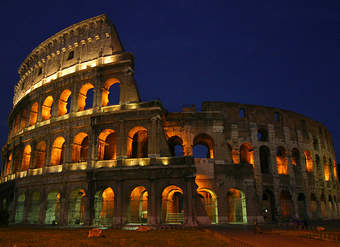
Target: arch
<point>282,161</point>
<point>137,143</point>
<point>76,207</point>
<point>286,204</point>
<point>46,108</point>
<point>176,146</point>
<point>9,164</point>
<point>246,154</point>
<point>295,157</point>
<point>52,208</point>
<point>64,102</point>
<point>209,200</point>
<point>335,172</point>
<point>33,214</point>
<point>206,141</point>
<point>262,135</point>
<point>40,155</point>
<point>138,205</point>
<point>107,145</point>
<point>237,209</point>
<point>265,159</point>
<point>172,205</point>
<point>33,113</point>
<point>302,207</point>
<point>104,207</point>
<point>313,205</point>
<point>326,169</point>
<point>107,90</point>
<point>82,96</point>
<point>57,153</point>
<point>20,207</point>
<point>324,213</point>
<point>23,119</point>
<point>268,204</point>
<point>308,161</point>
<point>26,158</point>
<point>80,147</point>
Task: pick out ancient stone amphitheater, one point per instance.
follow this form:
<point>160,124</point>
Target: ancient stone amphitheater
<point>75,155</point>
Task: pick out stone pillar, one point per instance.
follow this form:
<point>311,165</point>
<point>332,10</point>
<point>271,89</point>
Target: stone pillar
<point>189,204</point>
<point>122,141</point>
<point>128,88</point>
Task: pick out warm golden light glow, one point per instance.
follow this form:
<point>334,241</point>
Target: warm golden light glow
<point>335,171</point>
<point>107,145</point>
<point>33,114</point>
<point>46,108</point>
<point>83,95</point>
<point>9,164</point>
<point>40,154</point>
<point>26,158</point>
<point>62,104</point>
<point>106,90</point>
<point>282,161</point>
<point>308,161</point>
<point>247,154</point>
<point>326,169</point>
<point>137,142</point>
<point>57,153</point>
<point>80,147</point>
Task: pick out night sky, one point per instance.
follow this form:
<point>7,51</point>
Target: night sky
<point>282,54</point>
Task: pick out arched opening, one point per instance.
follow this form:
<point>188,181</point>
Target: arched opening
<point>52,208</point>
<point>20,207</point>
<point>34,209</point>
<point>286,204</point>
<point>85,97</point>
<point>104,207</point>
<point>76,207</point>
<point>46,108</point>
<point>265,159</point>
<point>209,201</point>
<point>137,143</point>
<point>335,173</point>
<point>282,161</point>
<point>9,164</point>
<point>308,161</point>
<point>203,146</point>
<point>316,144</point>
<point>331,206</point>
<point>176,146</point>
<point>17,159</point>
<point>268,204</point>
<point>23,119</point>
<point>64,102</point>
<point>246,154</point>
<point>172,205</point>
<point>326,169</point>
<point>313,206</point>
<point>262,135</point>
<point>33,114</point>
<point>58,150</point>
<point>302,206</point>
<point>324,213</point>
<point>138,206</point>
<point>40,154</point>
<point>80,147</point>
<point>26,158</point>
<point>107,145</point>
<point>111,92</point>
<point>237,209</point>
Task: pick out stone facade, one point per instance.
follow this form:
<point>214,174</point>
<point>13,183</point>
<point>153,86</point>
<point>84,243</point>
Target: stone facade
<point>73,159</point>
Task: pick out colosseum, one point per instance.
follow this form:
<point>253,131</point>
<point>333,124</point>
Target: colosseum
<point>76,155</point>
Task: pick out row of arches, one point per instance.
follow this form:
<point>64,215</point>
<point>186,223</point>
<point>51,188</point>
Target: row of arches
<point>110,94</point>
<point>137,207</point>
<point>137,147</point>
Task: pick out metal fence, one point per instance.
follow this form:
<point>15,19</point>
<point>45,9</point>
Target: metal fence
<point>327,236</point>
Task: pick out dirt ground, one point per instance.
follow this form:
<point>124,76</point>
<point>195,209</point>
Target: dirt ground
<point>271,236</point>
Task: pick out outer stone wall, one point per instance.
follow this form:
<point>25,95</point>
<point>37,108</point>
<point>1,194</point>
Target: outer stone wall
<point>73,159</point>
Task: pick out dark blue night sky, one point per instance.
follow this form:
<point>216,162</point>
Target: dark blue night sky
<point>283,54</point>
